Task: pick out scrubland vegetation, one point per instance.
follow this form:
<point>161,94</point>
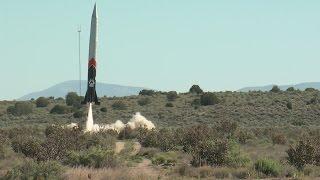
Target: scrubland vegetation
<point>220,135</point>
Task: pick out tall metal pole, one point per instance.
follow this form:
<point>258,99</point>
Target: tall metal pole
<point>79,36</point>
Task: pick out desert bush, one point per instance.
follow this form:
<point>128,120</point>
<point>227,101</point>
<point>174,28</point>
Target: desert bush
<point>243,136</point>
<point>289,105</point>
<point>290,89</point>
<point>195,89</point>
<point>222,173</point>
<point>196,103</point>
<point>148,152</point>
<point>28,146</point>
<point>79,114</point>
<point>237,159</point>
<point>268,167</point>
<point>314,100</point>
<point>275,89</point>
<point>146,92</point>
<point>30,169</point>
<point>4,146</point>
<point>60,109</point>
<point>103,109</point>
<point>211,152</point>
<point>119,105</point>
<point>301,155</point>
<point>165,159</point>
<point>42,102</point>
<point>144,101</point>
<point>227,128</point>
<point>93,157</point>
<point>163,139</point>
<point>72,99</point>
<point>20,108</point>
<point>298,123</point>
<point>279,138</point>
<point>172,95</point>
<point>209,99</point>
<point>169,104</point>
<point>310,89</point>
<point>102,139</point>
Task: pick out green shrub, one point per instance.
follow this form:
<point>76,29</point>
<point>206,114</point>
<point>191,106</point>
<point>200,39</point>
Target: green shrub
<point>146,92</point>
<point>103,109</point>
<point>33,170</point>
<point>20,108</point>
<point>207,99</point>
<point>72,99</point>
<point>268,167</point>
<point>275,89</point>
<point>310,89</point>
<point>169,104</point>
<point>289,105</point>
<point>237,159</point>
<point>119,105</point>
<point>93,157</point>
<point>244,136</point>
<point>196,103</point>
<point>42,102</point>
<point>60,109</point>
<point>172,95</point>
<point>144,101</point>
<point>79,114</point>
<point>210,152</point>
<point>290,89</point>
<point>195,89</point>
<point>165,159</point>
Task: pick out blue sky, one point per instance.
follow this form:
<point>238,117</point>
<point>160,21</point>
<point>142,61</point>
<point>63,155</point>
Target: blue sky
<point>161,44</point>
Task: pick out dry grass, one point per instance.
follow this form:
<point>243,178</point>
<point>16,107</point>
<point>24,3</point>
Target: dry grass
<point>107,174</point>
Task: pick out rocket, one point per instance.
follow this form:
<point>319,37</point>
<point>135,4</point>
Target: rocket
<point>91,94</point>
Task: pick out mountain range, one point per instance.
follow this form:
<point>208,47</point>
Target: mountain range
<point>301,86</point>
<point>103,89</point>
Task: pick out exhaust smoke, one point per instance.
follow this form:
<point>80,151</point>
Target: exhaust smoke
<point>135,122</point>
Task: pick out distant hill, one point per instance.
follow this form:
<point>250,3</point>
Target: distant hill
<point>301,86</point>
<point>61,89</point>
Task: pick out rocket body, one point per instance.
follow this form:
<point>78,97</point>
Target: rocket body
<point>91,94</point>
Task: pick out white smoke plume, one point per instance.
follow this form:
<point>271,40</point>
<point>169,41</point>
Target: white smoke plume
<point>136,121</point>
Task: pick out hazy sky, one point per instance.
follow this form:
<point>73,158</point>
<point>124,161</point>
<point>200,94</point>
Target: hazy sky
<point>160,44</point>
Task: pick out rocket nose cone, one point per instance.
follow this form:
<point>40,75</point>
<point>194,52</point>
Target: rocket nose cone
<point>94,14</point>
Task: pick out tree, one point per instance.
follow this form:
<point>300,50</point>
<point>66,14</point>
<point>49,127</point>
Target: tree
<point>78,114</point>
<point>20,108</point>
<point>275,89</point>
<point>60,109</point>
<point>310,89</point>
<point>72,99</point>
<point>42,102</point>
<point>209,99</point>
<point>290,89</point>
<point>172,95</point>
<point>195,89</point>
